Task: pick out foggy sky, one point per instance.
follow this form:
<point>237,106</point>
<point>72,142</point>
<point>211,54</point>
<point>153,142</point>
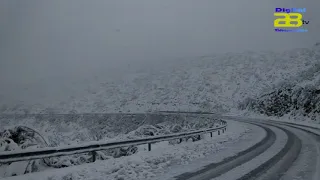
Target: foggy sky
<point>69,38</point>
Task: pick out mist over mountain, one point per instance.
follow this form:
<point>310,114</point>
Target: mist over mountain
<point>215,83</point>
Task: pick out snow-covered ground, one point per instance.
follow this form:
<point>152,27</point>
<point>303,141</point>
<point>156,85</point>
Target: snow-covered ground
<point>230,148</point>
<point>153,164</point>
<point>61,130</point>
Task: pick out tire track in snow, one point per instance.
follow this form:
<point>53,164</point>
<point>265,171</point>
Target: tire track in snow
<point>276,166</point>
<point>216,169</point>
<point>312,153</point>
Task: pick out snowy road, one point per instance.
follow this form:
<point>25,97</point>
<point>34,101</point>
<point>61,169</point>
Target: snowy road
<point>287,152</point>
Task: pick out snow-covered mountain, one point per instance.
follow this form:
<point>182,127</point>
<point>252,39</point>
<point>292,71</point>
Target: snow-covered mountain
<point>217,83</point>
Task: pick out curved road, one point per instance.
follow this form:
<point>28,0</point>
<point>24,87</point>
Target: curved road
<point>273,158</point>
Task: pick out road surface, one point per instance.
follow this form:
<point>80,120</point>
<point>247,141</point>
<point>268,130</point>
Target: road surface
<point>287,152</point>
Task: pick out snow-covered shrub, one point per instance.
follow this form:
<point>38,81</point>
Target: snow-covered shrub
<point>22,137</point>
<point>18,138</point>
<point>299,97</point>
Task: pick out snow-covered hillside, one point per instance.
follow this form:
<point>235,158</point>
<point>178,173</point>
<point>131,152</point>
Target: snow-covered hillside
<point>216,83</point>
<point>296,98</point>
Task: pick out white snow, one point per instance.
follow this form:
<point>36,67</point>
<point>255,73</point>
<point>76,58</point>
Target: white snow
<point>15,168</point>
<point>147,165</point>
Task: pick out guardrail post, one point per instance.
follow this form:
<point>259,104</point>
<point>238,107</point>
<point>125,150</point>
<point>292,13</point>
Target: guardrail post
<point>210,134</point>
<point>218,132</point>
<point>180,140</point>
<point>149,146</point>
<point>94,156</point>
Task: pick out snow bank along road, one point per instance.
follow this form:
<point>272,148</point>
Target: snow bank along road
<point>287,152</point>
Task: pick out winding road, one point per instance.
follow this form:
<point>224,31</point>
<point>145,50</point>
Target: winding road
<point>287,152</point>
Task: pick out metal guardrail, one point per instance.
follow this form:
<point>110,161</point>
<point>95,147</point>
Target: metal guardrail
<point>25,155</point>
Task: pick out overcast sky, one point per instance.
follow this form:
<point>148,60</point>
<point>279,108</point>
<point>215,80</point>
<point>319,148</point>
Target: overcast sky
<point>54,37</point>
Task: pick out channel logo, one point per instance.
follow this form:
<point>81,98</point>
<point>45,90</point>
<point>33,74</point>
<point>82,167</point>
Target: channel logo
<point>290,20</point>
